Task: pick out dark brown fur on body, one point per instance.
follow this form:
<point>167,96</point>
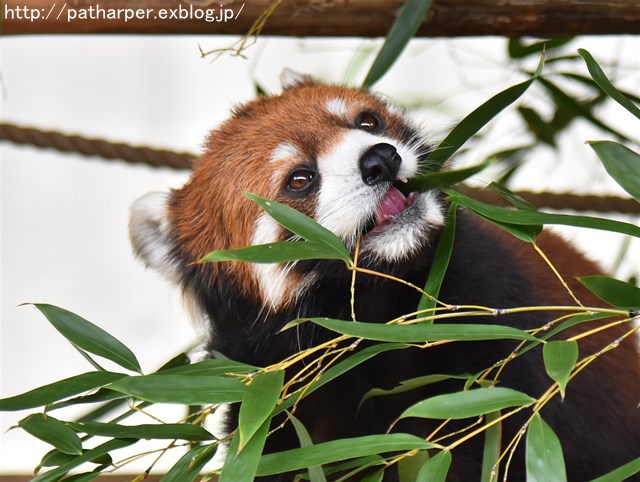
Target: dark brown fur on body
<point>598,422</point>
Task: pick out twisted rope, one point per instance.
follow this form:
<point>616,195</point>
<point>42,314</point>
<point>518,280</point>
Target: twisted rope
<point>95,147</point>
<point>183,160</point>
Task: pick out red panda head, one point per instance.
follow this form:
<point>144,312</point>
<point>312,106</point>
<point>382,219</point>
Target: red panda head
<point>340,155</point>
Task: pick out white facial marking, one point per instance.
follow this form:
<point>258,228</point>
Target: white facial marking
<point>271,277</point>
<point>345,202</point>
<point>284,150</point>
<point>336,106</point>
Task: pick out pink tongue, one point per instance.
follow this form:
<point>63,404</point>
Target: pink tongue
<point>392,203</point>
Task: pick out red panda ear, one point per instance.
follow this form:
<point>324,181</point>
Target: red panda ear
<point>149,232</point>
<point>290,78</point>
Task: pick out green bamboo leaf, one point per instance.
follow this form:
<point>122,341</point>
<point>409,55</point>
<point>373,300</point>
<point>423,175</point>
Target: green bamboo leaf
<point>303,226</point>
<point>190,390</point>
<point>240,465</point>
<point>53,432</point>
<point>440,262</point>
<point>468,403</point>
<point>434,180</point>
<point>518,49</point>
<point>436,468</point>
<point>516,201</point>
<point>615,292</point>
<point>605,84</point>
<point>621,473</point>
<point>376,476</point>
<point>621,163</point>
<point>420,332</point>
<point>477,119</point>
<point>525,233</point>
<point>89,455</point>
<point>85,477</point>
<point>491,450</point>
<point>583,79</point>
<point>575,108</point>
<point>315,473</point>
<point>87,336</point>
<point>258,403</point>
<point>182,431</point>
<point>409,467</point>
<point>211,368</point>
<point>190,464</point>
<point>411,384</point>
<point>283,252</point>
<point>545,462</point>
<point>55,458</point>
<point>560,359</point>
<point>340,369</point>
<point>403,29</point>
<point>544,131</point>
<point>53,392</point>
<point>529,218</point>
<point>337,450</point>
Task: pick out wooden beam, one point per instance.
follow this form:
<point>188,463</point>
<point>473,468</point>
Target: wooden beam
<point>361,18</point>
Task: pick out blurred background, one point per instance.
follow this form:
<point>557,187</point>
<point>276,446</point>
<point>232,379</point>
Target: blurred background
<point>64,216</point>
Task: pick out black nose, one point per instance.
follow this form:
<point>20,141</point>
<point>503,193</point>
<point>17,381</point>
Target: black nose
<point>380,163</point>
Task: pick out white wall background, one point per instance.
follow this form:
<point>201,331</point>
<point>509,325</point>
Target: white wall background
<point>64,217</point>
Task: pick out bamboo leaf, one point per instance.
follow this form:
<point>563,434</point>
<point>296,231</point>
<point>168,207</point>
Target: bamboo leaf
<point>411,384</point>
<point>440,262</point>
<point>183,431</point>
<point>621,163</point>
<point>420,332</point>
<point>59,390</point>
<point>491,450</point>
<point>53,432</point>
<point>436,468</point>
<point>190,464</point>
<point>605,84</point>
<point>615,292</point>
<point>560,359</point>
<point>89,455</point>
<point>315,473</point>
<point>434,180</point>
<point>190,390</point>
<point>575,108</point>
<point>534,218</point>
<point>518,49</point>
<point>258,402</point>
<point>477,119</point>
<point>403,29</point>
<point>409,467</point>
<point>468,403</point>
<point>621,473</point>
<point>283,252</point>
<point>337,450</point>
<point>89,337</point>
<point>303,226</point>
<point>240,465</point>
<point>211,368</point>
<point>545,462</point>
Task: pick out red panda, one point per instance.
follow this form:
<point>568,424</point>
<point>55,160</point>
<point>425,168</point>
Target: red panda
<point>342,156</point>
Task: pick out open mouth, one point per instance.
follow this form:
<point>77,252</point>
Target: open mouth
<point>392,205</point>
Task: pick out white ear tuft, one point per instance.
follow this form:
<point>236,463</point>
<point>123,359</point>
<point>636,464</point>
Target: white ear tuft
<point>290,78</point>
<point>149,232</point>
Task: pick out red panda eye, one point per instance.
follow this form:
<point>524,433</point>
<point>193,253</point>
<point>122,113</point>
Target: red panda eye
<point>367,121</point>
<point>301,179</point>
